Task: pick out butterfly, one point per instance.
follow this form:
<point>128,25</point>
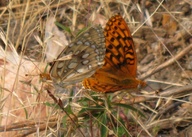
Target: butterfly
<point>80,58</point>
<point>120,62</point>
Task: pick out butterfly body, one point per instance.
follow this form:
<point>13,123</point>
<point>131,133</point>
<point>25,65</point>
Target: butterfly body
<point>120,66</point>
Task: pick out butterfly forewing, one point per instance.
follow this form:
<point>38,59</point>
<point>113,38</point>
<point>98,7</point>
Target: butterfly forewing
<point>80,58</point>
<point>120,52</point>
<point>119,70</point>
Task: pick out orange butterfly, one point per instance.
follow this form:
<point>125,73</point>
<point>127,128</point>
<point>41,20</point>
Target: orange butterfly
<point>119,69</point>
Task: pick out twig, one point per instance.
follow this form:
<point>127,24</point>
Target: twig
<point>167,63</point>
<point>174,93</point>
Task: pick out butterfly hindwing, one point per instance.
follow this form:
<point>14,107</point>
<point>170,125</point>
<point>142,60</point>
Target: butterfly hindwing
<point>80,58</point>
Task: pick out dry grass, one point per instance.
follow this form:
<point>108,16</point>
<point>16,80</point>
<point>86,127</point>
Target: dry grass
<point>162,34</point>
